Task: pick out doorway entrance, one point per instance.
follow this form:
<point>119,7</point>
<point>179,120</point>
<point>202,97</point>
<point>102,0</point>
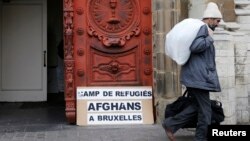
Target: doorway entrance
<point>23,48</point>
<point>106,43</point>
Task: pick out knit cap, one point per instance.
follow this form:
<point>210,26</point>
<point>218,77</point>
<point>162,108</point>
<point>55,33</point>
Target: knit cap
<point>212,11</point>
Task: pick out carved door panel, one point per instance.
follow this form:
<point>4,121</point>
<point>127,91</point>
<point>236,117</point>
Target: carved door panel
<point>107,43</point>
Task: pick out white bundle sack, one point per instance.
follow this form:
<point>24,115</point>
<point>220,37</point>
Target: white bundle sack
<point>180,38</point>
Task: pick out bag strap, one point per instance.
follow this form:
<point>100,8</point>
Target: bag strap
<point>185,93</point>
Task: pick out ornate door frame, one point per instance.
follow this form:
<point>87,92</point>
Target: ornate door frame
<point>69,92</point>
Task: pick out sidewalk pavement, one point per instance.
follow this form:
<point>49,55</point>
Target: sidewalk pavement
<point>47,122</point>
<point>97,133</point>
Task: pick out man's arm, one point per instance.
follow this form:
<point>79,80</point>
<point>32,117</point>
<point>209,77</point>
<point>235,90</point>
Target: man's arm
<point>202,40</point>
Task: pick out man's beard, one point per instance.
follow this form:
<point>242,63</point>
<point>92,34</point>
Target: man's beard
<point>212,27</point>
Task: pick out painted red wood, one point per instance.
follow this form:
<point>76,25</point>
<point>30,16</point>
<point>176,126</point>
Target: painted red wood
<point>106,43</point>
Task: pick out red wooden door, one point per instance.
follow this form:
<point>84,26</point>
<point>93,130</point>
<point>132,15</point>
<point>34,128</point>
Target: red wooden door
<point>106,43</point>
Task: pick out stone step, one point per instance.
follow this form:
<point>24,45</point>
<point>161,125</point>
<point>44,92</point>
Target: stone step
<point>243,19</point>
<point>242,12</point>
<point>242,2</point>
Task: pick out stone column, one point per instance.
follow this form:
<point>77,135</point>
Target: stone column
<point>224,45</point>
<point>242,49</point>
<point>241,78</point>
<point>166,82</point>
<point>196,8</point>
<point>248,66</point>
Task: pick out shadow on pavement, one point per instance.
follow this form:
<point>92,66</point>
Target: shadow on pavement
<point>23,116</point>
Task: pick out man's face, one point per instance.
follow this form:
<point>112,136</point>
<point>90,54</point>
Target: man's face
<point>213,23</point>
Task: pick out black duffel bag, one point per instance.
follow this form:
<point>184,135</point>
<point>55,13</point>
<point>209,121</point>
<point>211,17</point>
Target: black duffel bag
<point>185,100</point>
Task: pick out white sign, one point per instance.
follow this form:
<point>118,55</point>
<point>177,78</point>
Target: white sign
<point>115,118</point>
<point>142,92</point>
<point>114,105</point>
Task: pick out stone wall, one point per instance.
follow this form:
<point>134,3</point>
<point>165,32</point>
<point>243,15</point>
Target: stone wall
<point>248,66</point>
<point>243,18</point>
<point>241,79</point>
<point>242,63</point>
<point>225,61</point>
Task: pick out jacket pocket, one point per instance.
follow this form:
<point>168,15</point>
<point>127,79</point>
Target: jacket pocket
<point>211,75</point>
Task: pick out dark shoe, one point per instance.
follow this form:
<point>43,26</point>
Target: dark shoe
<point>169,132</point>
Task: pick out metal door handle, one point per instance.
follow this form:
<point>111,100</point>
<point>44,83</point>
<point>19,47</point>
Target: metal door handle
<point>44,58</point>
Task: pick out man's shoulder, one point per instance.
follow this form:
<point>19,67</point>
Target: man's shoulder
<point>204,27</point>
<point>203,31</point>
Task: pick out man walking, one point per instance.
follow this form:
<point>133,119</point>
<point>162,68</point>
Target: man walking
<point>199,75</point>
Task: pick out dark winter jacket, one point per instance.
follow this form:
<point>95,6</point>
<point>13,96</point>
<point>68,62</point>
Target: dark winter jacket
<point>200,70</point>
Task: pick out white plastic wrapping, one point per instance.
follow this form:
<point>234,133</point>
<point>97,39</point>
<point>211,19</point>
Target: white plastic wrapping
<point>180,38</point>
